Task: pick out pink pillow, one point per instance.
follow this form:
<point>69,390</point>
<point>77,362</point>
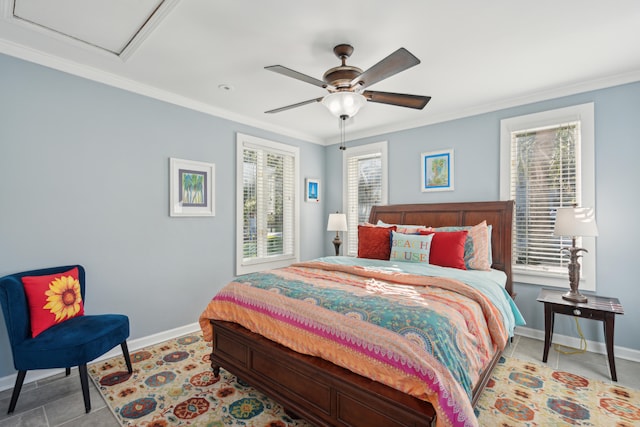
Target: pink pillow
<point>374,242</point>
<point>411,229</point>
<point>447,248</point>
<point>477,248</point>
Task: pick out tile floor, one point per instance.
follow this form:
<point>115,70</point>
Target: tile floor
<point>57,401</point>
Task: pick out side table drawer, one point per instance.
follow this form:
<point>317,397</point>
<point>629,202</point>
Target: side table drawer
<point>583,312</point>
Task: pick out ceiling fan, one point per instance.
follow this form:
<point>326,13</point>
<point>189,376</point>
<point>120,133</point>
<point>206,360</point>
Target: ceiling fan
<point>346,84</point>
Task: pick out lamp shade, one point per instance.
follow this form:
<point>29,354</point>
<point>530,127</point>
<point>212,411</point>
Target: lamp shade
<point>575,222</point>
<point>344,103</point>
<point>337,222</point>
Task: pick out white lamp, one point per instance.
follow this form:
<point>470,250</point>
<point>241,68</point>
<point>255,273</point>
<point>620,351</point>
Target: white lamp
<point>344,103</point>
<point>575,222</point>
<point>337,222</point>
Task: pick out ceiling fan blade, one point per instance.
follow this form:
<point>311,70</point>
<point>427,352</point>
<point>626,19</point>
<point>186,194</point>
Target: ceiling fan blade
<point>296,75</point>
<point>398,61</point>
<point>299,104</point>
<point>400,99</point>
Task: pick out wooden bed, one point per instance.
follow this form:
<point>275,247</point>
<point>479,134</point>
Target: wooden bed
<point>325,394</point>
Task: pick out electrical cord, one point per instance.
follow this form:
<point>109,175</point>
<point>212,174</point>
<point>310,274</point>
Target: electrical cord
<point>570,350</point>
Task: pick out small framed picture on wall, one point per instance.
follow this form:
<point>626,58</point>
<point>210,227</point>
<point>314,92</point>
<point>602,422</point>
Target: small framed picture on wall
<point>437,171</point>
<point>312,190</point>
<point>192,186</point>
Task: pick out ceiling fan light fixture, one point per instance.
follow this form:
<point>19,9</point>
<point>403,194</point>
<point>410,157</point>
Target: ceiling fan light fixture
<point>344,103</point>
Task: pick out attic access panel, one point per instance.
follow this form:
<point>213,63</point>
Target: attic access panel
<point>115,26</point>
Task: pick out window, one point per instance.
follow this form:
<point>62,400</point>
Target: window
<point>267,204</point>
<point>547,162</point>
<point>365,185</point>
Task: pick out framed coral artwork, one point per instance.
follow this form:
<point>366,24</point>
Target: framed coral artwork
<point>437,171</point>
<point>191,188</point>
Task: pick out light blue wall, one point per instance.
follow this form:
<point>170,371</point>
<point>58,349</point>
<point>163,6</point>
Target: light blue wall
<point>84,179</point>
<point>476,141</point>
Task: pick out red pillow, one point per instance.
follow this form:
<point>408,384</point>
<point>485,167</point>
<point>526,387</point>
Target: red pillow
<point>52,299</point>
<point>447,248</point>
<point>374,242</point>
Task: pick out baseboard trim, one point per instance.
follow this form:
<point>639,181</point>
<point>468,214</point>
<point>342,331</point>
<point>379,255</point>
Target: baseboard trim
<point>134,345</point>
<point>138,343</point>
<point>593,346</point>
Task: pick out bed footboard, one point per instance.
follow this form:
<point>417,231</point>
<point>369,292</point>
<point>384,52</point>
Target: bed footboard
<point>318,391</point>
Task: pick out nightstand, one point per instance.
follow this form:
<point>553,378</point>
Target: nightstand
<point>596,308</point>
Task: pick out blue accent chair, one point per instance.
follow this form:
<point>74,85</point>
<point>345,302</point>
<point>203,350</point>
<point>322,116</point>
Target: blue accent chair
<point>73,342</point>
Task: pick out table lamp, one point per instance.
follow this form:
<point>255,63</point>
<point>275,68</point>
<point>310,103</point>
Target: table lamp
<point>337,222</point>
<point>575,221</point>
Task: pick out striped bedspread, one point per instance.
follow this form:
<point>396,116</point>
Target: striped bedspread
<point>429,337</point>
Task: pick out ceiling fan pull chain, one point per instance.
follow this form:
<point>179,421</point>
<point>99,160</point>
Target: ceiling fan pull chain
<point>342,121</point>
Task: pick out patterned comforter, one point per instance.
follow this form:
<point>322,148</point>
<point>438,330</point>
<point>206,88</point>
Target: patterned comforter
<point>426,336</point>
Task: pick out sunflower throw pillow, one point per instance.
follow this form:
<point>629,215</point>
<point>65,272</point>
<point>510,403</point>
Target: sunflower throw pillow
<point>52,299</point>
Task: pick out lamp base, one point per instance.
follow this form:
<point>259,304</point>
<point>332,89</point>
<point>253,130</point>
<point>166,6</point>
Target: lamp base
<point>336,243</point>
<point>575,296</point>
<point>574,274</point>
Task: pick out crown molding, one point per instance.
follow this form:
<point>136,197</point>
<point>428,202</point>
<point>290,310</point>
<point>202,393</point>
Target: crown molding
<point>74,68</point>
<point>94,74</point>
<point>558,92</point>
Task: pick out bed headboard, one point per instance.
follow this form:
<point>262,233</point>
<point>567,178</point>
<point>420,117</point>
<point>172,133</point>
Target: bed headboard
<point>499,214</point>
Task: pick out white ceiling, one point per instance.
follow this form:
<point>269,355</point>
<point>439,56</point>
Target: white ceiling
<point>477,56</point>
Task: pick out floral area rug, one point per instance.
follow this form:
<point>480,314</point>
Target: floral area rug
<point>172,385</point>
<point>527,394</point>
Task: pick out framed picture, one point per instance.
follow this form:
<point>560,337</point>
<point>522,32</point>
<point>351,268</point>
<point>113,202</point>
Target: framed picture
<point>437,171</point>
<point>191,188</point>
<point>312,190</point>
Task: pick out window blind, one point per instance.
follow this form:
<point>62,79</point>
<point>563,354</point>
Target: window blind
<point>544,177</point>
<point>268,203</point>
<point>364,190</point>
<point>267,208</point>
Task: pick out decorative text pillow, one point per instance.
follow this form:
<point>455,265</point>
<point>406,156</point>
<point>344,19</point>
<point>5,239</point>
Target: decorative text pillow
<point>410,247</point>
<point>447,248</point>
<point>476,248</point>
<point>52,299</point>
<point>374,242</point>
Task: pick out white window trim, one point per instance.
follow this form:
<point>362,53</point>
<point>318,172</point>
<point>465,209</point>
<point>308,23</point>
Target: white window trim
<point>584,113</point>
<point>363,150</point>
<point>252,266</point>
